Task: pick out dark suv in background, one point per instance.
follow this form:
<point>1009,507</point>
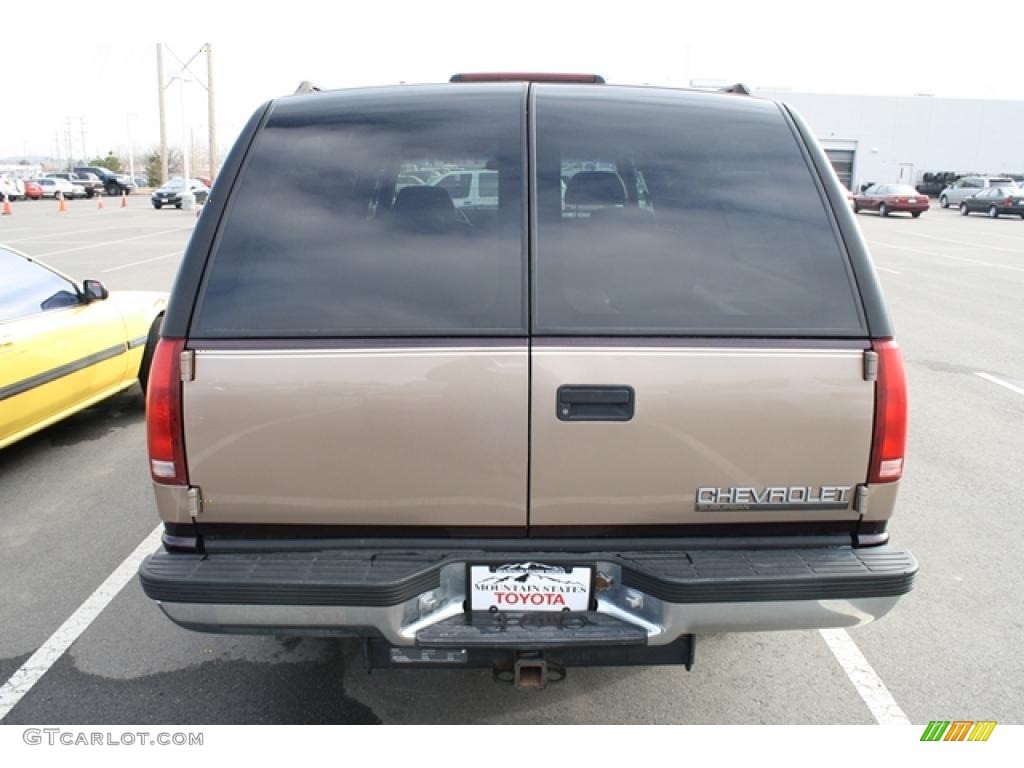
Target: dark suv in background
<point>113,183</point>
<point>620,402</point>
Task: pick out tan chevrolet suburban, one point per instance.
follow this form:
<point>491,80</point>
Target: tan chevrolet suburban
<point>650,390</point>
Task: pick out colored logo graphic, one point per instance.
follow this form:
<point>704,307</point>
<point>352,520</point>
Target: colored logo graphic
<point>958,730</point>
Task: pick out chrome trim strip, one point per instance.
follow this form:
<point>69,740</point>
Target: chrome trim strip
<point>133,343</point>
<point>355,343</point>
<point>20,387</point>
<point>814,354</point>
<point>302,352</point>
<point>695,342</point>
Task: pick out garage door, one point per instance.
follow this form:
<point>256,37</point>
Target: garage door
<point>842,163</point>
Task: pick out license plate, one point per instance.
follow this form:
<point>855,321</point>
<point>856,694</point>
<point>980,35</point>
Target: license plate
<point>912,200</point>
<point>529,587</point>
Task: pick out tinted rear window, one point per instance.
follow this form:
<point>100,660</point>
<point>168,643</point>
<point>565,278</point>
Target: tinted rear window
<point>665,212</point>
<point>328,234</point>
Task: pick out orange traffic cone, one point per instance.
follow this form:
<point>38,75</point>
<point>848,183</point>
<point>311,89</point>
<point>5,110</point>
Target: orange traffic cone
<point>100,197</point>
<point>63,206</point>
<point>124,200</point>
<point>7,207</point>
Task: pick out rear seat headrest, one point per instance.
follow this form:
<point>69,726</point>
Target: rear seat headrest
<point>424,208</point>
<point>595,188</point>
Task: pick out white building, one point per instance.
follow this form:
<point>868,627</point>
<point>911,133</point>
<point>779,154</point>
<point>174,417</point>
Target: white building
<point>21,170</point>
<point>900,138</point>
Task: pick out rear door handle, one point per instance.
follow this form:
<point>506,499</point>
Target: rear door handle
<point>590,403</point>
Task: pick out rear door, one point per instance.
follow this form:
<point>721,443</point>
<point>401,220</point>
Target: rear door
<point>981,201</point>
<point>361,347</point>
<point>872,197</point>
<point>966,188</point>
<point>697,339</point>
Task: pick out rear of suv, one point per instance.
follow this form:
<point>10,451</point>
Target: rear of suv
<point>626,402</point>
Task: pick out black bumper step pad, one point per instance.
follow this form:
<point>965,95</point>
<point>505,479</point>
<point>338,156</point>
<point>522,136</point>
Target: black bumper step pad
<point>290,578</point>
<point>533,631</point>
<point>733,576</point>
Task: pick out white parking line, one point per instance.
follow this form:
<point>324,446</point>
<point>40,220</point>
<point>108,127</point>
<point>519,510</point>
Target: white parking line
<point>59,233</point>
<point>137,263</point>
<point>46,656</point>
<point>947,256</point>
<point>109,242</point>
<point>971,245</point>
<point>886,269</point>
<point>1000,382</point>
<point>1018,238</point>
<point>867,682</point>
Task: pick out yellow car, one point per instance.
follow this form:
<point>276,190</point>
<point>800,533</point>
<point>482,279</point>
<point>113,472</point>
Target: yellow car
<point>65,347</point>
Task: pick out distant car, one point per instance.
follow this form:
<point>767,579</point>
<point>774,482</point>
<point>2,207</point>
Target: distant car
<point>891,198</point>
<point>86,184</point>
<point>171,192</point>
<point>426,176</point>
<point>995,201</point>
<point>32,190</point>
<point>140,181</point>
<point>11,188</point>
<point>408,180</point>
<point>470,188</point>
<point>963,188</point>
<point>51,185</point>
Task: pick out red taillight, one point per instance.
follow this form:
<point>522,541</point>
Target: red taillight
<point>163,414</point>
<point>901,200</point>
<point>890,440</point>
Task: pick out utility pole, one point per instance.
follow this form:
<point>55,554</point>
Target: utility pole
<point>67,135</point>
<point>56,141</point>
<point>209,111</point>
<point>187,144</point>
<point>131,145</point>
<point>163,117</point>
<point>85,153</point>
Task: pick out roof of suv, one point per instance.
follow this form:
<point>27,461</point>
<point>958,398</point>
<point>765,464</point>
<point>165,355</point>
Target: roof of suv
<point>321,101</point>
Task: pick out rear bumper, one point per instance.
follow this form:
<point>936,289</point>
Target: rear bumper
<point>406,596</point>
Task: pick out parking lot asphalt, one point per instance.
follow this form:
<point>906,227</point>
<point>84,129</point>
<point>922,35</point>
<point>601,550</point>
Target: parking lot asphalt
<point>75,500</point>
